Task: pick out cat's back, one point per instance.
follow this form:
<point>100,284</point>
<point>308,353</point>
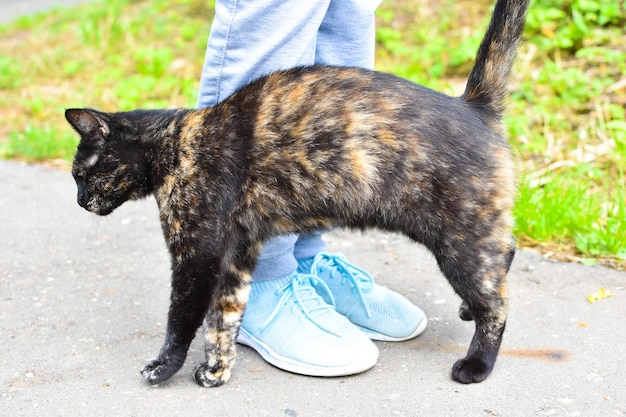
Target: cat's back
<point>326,104</point>
<point>345,135</point>
<point>320,96</point>
<point>325,85</point>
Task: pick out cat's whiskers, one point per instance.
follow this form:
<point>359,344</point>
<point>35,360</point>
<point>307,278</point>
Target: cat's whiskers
<point>99,230</point>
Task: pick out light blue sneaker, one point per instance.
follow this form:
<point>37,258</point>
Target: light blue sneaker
<point>288,323</point>
<point>379,312</point>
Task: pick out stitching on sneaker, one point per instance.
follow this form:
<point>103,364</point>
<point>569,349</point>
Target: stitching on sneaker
<point>360,280</point>
<point>306,298</point>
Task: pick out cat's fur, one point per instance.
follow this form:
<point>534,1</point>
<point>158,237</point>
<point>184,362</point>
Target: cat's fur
<point>316,148</point>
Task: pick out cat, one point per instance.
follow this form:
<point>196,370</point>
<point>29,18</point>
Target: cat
<point>316,148</point>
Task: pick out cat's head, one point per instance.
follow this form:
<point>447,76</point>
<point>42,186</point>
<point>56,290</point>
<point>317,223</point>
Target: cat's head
<point>110,163</point>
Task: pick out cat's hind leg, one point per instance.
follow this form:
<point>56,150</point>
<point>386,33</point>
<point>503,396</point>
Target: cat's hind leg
<point>478,275</point>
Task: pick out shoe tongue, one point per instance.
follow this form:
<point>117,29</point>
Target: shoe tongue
<point>306,265</point>
<point>355,276</point>
<point>365,283</point>
<point>323,291</point>
<point>305,289</point>
<point>313,292</point>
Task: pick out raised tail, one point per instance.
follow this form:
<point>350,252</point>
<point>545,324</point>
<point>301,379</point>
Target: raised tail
<point>487,83</point>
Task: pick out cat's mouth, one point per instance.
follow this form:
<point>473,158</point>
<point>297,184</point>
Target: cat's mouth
<point>99,209</point>
<point>92,205</point>
<point>103,211</point>
<point>90,202</point>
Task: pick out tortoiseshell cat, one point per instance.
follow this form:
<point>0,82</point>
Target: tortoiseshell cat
<point>317,148</point>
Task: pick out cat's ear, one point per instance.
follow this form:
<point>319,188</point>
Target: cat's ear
<point>87,123</point>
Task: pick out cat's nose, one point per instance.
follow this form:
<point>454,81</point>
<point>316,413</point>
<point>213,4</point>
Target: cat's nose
<point>82,196</point>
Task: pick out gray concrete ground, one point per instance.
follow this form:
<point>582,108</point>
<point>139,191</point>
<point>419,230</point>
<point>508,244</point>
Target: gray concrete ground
<point>83,302</point>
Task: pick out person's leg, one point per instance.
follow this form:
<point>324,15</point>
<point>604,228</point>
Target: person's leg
<point>347,35</point>
<point>246,42</point>
<point>347,38</point>
<point>285,320</point>
<point>250,39</point>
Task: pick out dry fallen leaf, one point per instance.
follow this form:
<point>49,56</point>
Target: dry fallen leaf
<point>599,295</point>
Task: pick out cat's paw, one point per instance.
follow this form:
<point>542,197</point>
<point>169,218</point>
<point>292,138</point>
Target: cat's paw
<point>159,370</point>
<point>211,376</point>
<point>472,369</point>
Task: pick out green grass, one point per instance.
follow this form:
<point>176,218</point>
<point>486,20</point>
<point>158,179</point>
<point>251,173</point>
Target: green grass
<point>116,55</point>
<point>566,118</point>
<point>558,212</point>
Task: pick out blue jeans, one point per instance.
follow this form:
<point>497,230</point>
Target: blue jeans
<point>252,38</point>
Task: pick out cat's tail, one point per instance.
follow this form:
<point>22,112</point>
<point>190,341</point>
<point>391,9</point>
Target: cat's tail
<point>487,83</point>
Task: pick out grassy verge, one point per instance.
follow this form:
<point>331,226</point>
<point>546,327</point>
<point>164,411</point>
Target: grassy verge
<point>118,54</point>
<point>567,115</point>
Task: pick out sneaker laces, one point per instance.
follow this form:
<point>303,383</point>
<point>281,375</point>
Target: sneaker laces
<point>358,278</point>
<point>303,290</point>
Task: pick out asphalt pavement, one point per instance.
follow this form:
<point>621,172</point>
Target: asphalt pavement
<point>83,304</point>
<point>84,301</point>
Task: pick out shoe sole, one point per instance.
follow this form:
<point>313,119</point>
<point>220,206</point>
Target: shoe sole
<point>287,364</point>
<point>385,338</point>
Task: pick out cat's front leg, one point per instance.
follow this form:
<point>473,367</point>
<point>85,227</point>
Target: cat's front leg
<point>190,299</point>
<point>223,320</point>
